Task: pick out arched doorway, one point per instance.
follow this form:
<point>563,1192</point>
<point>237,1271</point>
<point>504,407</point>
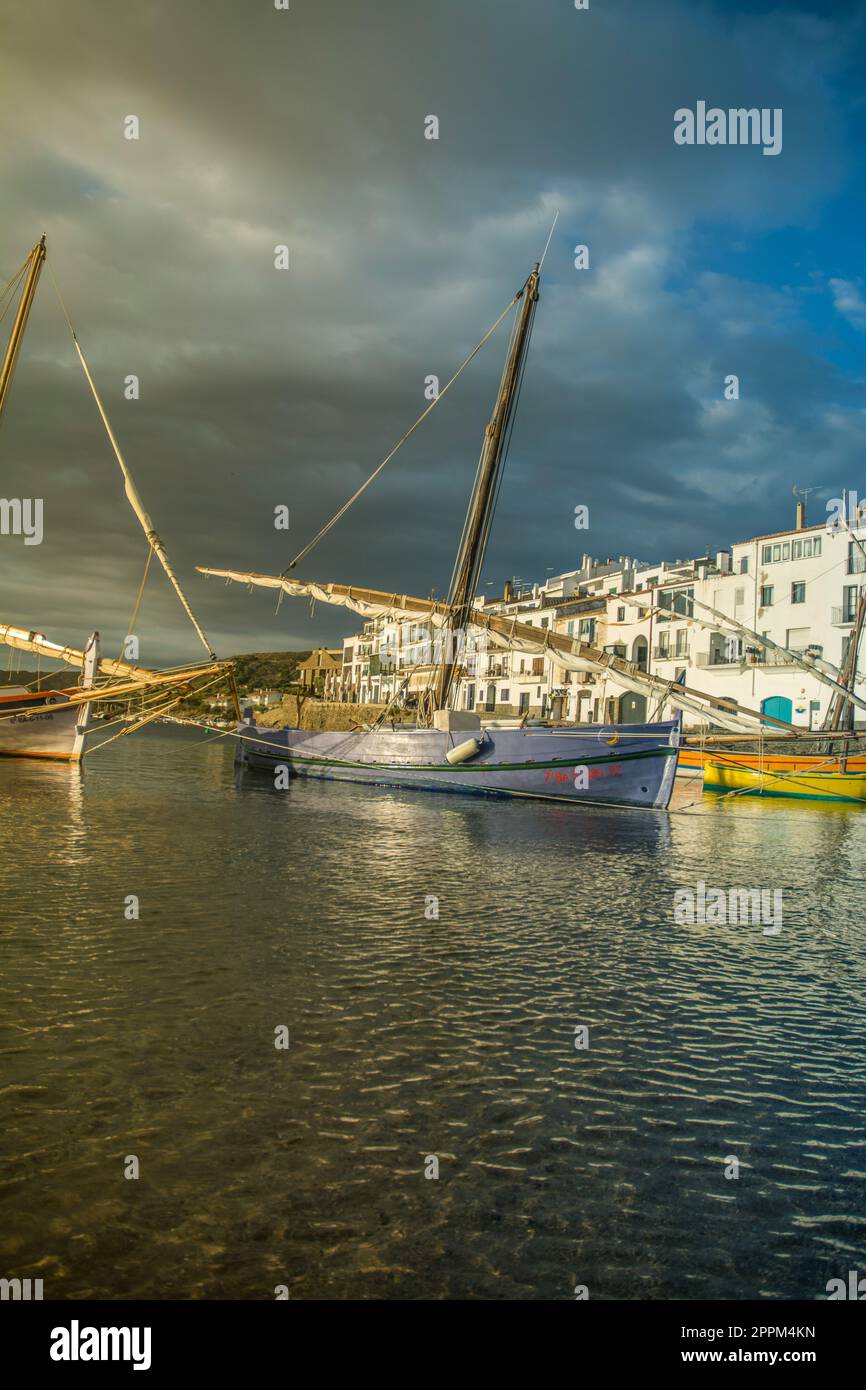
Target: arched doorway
<point>640,652</point>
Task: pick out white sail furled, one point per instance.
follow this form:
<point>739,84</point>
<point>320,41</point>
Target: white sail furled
<point>134,499</point>
<point>132,493</point>
<point>509,634</point>
<point>25,640</point>
<point>127,679</point>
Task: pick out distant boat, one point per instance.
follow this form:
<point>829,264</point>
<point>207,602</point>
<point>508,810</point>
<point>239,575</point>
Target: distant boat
<point>829,785</point>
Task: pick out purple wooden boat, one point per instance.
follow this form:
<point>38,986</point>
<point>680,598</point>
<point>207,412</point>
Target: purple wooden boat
<point>450,749</point>
<point>629,765</point>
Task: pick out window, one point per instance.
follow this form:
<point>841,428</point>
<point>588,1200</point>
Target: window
<point>797,638</point>
<point>766,595</point>
<point>682,641</point>
<point>798,592</point>
<point>856,559</point>
<point>620,615</point>
<point>613,590</point>
<point>544,622</point>
<point>816,546</point>
<point>505,695</point>
<point>797,550</point>
<point>744,564</point>
<point>570,629</point>
<point>777,552</point>
<point>849,603</point>
<point>587,628</point>
<point>490,702</point>
<point>538,692</point>
<point>786,551</point>
<point>739,597</point>
<point>470,697</point>
<point>681,602</point>
<point>766,554</point>
<point>538,666</point>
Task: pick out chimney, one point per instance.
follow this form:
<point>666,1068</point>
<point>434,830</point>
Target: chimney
<point>800,523</point>
<point>723,561</point>
<point>507,592</point>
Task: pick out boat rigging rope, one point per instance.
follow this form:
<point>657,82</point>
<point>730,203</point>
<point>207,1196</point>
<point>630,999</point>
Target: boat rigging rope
<point>134,619</point>
<point>11,287</point>
<point>129,484</point>
<point>387,459</point>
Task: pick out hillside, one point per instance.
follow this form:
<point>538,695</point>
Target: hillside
<point>268,670</point>
<point>49,680</point>
<point>255,671</point>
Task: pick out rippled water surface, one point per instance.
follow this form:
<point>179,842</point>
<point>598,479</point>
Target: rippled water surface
<point>413,1037</point>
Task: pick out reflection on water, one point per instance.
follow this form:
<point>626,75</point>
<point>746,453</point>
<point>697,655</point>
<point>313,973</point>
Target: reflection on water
<point>415,1036</point>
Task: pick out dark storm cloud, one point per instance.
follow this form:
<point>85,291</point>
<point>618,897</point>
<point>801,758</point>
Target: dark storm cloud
<point>257,388</point>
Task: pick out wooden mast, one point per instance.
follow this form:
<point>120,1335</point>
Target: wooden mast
<point>36,257</point>
<point>476,528</point>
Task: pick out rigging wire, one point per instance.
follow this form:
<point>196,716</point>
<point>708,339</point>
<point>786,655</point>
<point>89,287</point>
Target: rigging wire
<point>346,505</point>
<point>134,619</point>
<point>11,287</point>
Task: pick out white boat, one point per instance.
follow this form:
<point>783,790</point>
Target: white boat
<point>49,723</point>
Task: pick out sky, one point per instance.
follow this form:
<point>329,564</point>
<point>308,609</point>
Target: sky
<point>263,388</point>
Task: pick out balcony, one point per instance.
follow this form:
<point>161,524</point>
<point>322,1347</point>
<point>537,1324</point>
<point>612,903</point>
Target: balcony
<point>704,659</point>
<point>841,617</point>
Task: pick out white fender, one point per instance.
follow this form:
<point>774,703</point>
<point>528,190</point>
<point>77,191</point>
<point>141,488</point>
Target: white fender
<point>468,749</point>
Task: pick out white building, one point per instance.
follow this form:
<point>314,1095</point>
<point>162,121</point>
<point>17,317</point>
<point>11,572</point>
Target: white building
<point>797,587</point>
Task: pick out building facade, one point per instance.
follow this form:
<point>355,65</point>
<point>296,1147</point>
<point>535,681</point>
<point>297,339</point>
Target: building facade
<point>798,587</point>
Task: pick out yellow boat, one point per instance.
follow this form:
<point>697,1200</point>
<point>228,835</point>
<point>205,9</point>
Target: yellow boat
<point>829,785</point>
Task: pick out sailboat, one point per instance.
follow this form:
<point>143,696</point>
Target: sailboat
<point>54,724</point>
<point>449,749</point>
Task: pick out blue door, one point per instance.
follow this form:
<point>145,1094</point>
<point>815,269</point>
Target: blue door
<point>778,707</point>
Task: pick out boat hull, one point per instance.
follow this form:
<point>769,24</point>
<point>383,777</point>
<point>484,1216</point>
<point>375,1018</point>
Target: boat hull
<point>804,785</point>
<point>625,765</point>
<point>41,726</point>
<point>694,760</point>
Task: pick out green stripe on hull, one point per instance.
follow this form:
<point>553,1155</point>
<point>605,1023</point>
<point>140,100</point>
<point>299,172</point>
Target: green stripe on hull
<point>532,766</point>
